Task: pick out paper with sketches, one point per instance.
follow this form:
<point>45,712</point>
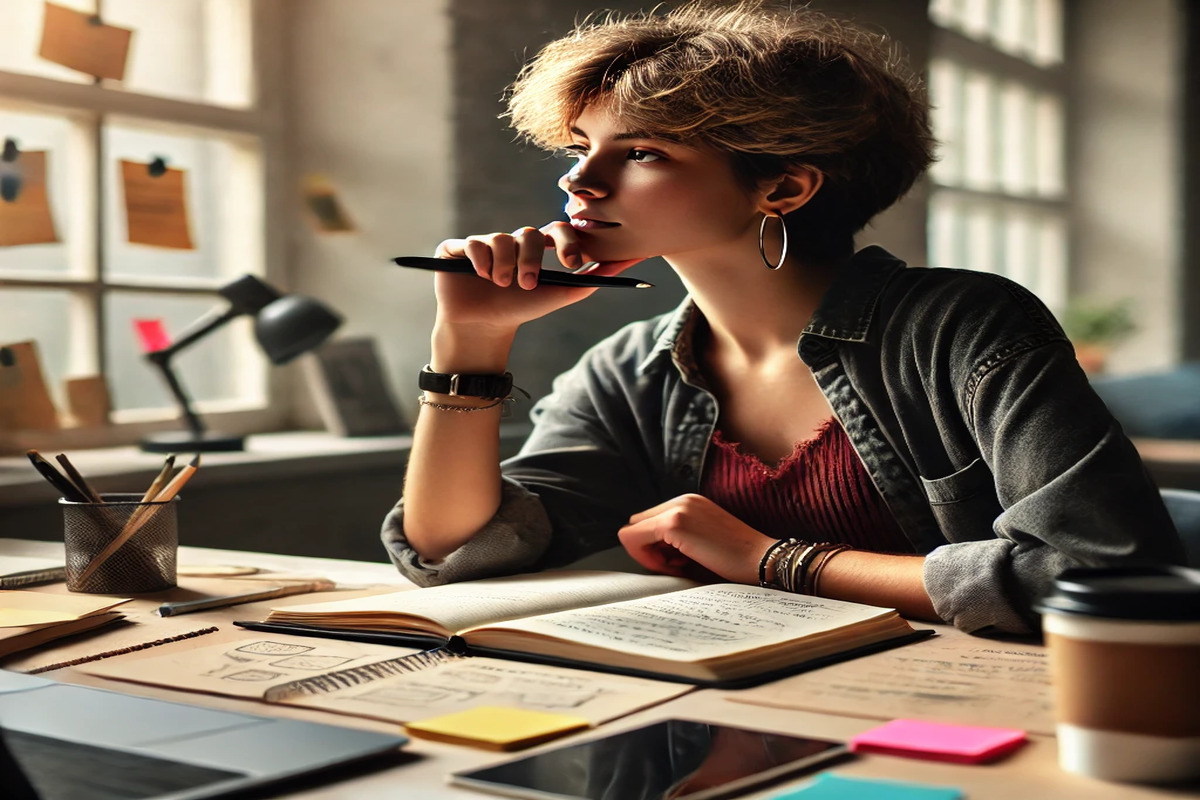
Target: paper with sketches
<point>952,677</point>
<point>383,682</point>
<point>80,41</point>
<point>26,218</point>
<point>156,211</point>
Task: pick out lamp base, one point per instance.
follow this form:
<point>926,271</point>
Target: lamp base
<point>186,442</point>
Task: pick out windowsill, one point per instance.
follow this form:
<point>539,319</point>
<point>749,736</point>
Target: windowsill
<point>268,456</point>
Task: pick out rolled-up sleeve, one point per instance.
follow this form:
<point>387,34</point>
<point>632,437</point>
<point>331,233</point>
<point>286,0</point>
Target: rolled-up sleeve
<point>512,541</point>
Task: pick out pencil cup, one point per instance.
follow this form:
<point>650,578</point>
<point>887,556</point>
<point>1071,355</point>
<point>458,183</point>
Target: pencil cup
<point>145,562</point>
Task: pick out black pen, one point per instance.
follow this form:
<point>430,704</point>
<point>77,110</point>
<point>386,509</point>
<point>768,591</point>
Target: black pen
<point>546,276</point>
<point>56,478</point>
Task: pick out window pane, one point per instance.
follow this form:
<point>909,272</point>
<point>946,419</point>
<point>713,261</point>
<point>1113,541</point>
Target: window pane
<point>1049,168</point>
<point>226,368</point>
<point>945,94</point>
<point>976,19</point>
<point>223,194</point>
<point>59,323</point>
<point>21,37</point>
<point>1047,32</point>
<point>1016,151</point>
<point>979,131</point>
<point>196,50</point>
<point>981,239</point>
<point>67,183</point>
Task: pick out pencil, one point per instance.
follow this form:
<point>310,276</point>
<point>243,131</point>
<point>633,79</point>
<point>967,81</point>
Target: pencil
<point>269,593</point>
<point>136,521</point>
<point>547,277</point>
<point>76,478</point>
<point>55,478</point>
<point>160,479</point>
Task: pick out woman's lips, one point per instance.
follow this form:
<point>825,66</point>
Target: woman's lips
<point>585,224</point>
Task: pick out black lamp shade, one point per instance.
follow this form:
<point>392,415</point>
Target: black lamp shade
<point>293,325</point>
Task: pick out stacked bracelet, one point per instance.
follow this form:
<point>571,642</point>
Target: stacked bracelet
<point>794,565</point>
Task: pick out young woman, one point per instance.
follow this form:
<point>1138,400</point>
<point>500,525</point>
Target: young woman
<point>811,418</point>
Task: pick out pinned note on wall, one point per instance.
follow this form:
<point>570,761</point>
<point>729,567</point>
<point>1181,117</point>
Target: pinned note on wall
<point>83,42</point>
<point>25,402</point>
<point>151,334</point>
<point>325,211</point>
<point>156,211</point>
<point>25,216</point>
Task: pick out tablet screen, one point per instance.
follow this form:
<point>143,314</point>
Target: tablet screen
<point>677,759</point>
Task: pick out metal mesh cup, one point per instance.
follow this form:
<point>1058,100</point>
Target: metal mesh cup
<point>144,563</point>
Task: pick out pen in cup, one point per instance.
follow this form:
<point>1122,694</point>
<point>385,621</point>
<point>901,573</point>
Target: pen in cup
<point>56,479</point>
<point>547,277</point>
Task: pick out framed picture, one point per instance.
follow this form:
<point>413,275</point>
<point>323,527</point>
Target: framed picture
<point>351,391</point>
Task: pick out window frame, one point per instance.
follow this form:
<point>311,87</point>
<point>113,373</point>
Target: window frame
<point>264,120</point>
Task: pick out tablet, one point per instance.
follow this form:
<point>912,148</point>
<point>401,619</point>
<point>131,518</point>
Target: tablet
<point>675,758</point>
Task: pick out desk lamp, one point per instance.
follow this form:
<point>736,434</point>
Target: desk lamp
<point>285,326</point>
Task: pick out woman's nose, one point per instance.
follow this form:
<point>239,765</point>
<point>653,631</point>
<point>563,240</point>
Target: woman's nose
<point>581,178</point>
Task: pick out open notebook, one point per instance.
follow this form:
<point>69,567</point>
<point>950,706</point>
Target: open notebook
<point>74,742</point>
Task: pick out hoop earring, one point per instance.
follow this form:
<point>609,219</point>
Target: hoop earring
<point>762,250</point>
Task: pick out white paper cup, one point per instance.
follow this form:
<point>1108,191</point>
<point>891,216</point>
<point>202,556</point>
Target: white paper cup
<point>1124,650</point>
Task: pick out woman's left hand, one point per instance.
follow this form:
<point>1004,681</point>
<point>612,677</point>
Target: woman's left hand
<point>691,536</point>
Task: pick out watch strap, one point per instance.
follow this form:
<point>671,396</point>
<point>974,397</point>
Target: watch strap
<point>463,384</point>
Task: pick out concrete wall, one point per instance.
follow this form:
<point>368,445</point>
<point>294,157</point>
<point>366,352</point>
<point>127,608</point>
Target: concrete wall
<point>1126,158</point>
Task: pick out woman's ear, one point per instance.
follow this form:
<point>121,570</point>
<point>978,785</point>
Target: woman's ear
<point>791,190</point>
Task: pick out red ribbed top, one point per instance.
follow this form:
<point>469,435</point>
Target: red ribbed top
<point>819,493</point>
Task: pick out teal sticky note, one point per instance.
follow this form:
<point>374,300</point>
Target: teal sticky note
<point>828,786</point>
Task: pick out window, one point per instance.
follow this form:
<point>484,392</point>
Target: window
<point>998,201</point>
<point>191,96</point>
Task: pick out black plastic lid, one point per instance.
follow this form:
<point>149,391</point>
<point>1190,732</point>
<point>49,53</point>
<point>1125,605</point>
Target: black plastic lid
<point>1150,593</point>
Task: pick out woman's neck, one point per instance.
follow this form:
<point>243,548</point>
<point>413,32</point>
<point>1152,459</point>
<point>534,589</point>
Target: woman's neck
<point>754,313</point>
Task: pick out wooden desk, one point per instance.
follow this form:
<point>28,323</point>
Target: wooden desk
<point>1031,773</point>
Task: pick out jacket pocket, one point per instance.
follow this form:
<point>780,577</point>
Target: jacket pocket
<point>968,482</point>
<point>964,503</point>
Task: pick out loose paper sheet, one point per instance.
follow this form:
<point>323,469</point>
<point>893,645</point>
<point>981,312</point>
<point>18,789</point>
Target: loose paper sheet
<point>27,219</point>
<point>264,667</point>
<point>156,207</point>
<point>953,677</point>
<point>88,400</point>
<point>23,609</point>
<point>73,39</point>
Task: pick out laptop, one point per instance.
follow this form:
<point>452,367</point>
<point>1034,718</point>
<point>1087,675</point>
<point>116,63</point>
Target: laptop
<point>79,743</point>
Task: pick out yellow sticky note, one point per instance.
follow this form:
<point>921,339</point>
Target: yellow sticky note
<point>496,727</point>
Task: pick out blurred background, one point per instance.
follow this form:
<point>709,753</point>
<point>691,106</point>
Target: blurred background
<point>1070,133</point>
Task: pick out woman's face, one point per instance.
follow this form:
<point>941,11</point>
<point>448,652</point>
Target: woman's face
<point>633,196</point>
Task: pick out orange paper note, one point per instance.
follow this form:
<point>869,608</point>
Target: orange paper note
<point>325,211</point>
<point>26,219</point>
<point>156,207</point>
<point>77,40</point>
<point>25,402</point>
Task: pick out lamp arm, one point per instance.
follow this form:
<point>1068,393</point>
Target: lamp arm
<point>162,360</point>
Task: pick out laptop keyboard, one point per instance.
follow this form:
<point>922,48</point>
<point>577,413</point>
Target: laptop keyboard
<point>62,770</point>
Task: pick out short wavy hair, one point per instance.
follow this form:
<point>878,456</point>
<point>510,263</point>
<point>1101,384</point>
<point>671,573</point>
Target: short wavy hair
<point>773,87</point>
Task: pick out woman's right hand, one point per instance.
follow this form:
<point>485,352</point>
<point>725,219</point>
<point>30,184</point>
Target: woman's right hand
<point>508,263</point>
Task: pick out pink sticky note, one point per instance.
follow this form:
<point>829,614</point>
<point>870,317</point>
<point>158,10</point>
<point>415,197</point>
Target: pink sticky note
<point>961,743</point>
<point>152,335</point>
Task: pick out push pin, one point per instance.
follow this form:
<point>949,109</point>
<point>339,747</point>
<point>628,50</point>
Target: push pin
<point>157,167</point>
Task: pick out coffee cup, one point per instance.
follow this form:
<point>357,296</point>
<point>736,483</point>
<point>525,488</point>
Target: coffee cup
<point>1124,648</point>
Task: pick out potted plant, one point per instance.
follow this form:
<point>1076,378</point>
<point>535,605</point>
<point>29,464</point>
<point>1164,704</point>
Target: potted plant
<point>1094,328</point>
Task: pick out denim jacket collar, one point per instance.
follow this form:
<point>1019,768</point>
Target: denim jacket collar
<point>845,312</point>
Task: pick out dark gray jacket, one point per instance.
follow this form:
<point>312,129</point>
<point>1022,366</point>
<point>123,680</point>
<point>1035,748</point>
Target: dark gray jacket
<point>959,391</point>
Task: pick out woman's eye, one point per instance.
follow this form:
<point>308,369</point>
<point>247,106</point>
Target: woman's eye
<point>643,156</point>
<point>575,151</point>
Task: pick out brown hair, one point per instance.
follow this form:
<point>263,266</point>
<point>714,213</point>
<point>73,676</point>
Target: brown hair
<point>773,87</point>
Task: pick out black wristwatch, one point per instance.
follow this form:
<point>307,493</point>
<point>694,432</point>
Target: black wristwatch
<point>464,385</point>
